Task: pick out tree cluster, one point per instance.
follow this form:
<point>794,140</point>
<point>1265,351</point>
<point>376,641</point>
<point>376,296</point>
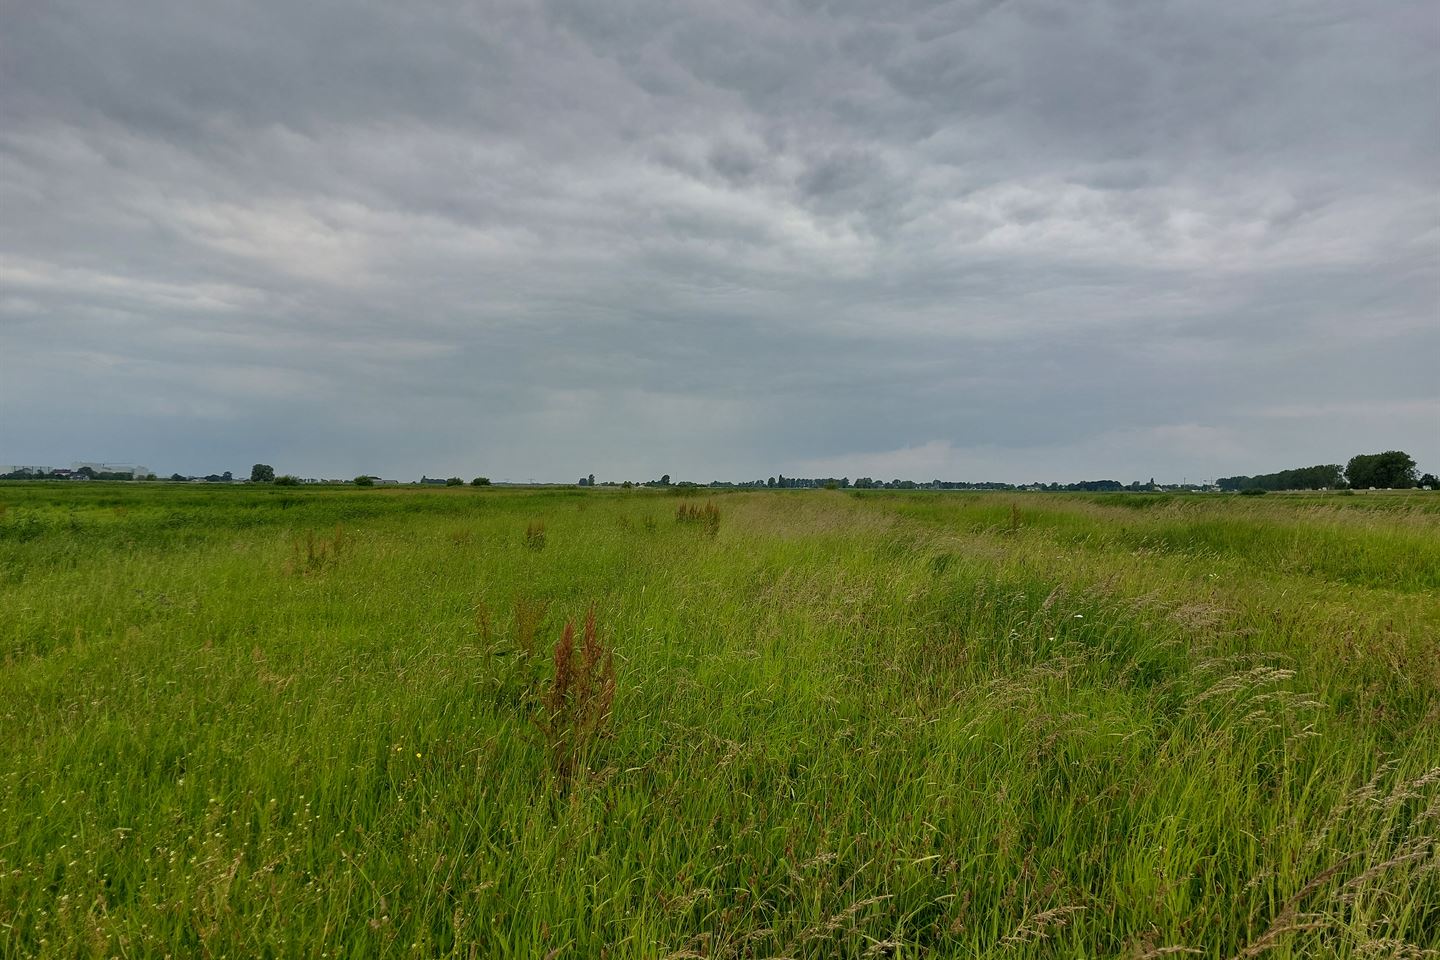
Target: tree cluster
<point>1325,476</point>
<point>1393,469</point>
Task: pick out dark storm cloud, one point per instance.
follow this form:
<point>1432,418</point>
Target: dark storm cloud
<point>965,240</point>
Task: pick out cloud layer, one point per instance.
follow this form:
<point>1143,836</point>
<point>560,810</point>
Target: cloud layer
<point>972,240</point>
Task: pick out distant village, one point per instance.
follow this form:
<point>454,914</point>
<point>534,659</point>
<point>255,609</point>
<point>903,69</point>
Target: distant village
<point>89,470</point>
<point>81,470</point>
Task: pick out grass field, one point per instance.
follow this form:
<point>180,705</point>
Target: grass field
<point>267,722</point>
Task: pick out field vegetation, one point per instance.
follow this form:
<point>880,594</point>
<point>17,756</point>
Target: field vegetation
<point>474,722</point>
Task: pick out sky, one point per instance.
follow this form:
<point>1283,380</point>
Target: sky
<point>1022,241</point>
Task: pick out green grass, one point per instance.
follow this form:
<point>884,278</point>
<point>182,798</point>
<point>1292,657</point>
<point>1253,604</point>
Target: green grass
<point>259,722</point>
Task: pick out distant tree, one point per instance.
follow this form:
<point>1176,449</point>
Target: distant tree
<point>454,482</point>
<point>287,480</point>
<point>1430,480</point>
<point>176,477</point>
<point>480,482</point>
<point>227,476</point>
<point>627,484</point>
<point>86,472</point>
<point>590,481</point>
<point>1393,468</point>
<point>665,480</point>
<point>364,481</point>
<point>1324,476</point>
<point>262,473</point>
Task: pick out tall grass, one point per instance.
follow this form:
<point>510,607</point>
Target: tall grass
<point>884,725</point>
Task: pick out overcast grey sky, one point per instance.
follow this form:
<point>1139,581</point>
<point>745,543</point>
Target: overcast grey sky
<point>973,240</point>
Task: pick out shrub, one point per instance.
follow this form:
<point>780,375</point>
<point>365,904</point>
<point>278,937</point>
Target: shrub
<point>706,517</point>
<point>480,482</point>
<point>521,675</point>
<point>454,482</point>
<point>575,708</point>
<point>315,553</point>
<point>529,614</point>
<point>287,480</point>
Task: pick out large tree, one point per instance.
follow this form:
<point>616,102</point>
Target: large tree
<point>1393,468</point>
<point>262,473</point>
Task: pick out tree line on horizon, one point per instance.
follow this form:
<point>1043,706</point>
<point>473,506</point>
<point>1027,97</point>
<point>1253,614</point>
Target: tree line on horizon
<point>1392,469</point>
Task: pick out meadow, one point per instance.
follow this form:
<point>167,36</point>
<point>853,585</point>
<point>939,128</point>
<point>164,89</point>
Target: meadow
<point>333,722</point>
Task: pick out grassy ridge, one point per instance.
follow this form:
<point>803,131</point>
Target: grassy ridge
<point>251,722</point>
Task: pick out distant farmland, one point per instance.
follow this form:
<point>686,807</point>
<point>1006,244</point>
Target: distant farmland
<point>311,722</point>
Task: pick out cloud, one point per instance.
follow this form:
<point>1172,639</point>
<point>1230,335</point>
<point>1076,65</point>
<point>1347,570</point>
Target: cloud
<point>969,238</point>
